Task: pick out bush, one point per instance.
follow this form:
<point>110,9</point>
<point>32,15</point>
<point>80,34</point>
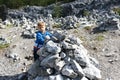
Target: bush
<point>86,13</point>
<point>117,10</point>
<point>4,46</point>
<point>88,28</point>
<point>56,25</point>
<point>99,38</point>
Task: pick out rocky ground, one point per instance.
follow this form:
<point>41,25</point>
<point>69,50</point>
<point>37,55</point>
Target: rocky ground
<point>105,50</point>
<point>100,33</point>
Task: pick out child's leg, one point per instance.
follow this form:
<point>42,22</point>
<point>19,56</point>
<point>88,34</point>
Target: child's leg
<point>36,56</point>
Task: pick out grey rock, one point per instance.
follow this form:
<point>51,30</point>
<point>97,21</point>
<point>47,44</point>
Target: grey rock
<point>94,61</point>
<point>67,59</point>
<point>50,60</point>
<point>41,78</point>
<point>59,65</point>
<point>67,45</point>
<point>74,40</point>
<point>81,56</point>
<point>42,53</point>
<point>68,71</point>
<point>111,24</point>
<point>77,68</point>
<point>84,78</point>
<point>62,55</point>
<point>59,35</point>
<point>34,68</point>
<point>92,72</point>
<point>37,70</point>
<point>28,34</point>
<point>2,26</point>
<point>110,54</point>
<point>52,47</point>
<point>4,40</point>
<point>14,56</point>
<point>79,78</point>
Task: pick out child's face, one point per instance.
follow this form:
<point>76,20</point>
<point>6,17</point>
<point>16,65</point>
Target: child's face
<point>41,28</point>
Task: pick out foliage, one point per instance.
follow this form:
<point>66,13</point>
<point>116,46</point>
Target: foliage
<point>88,28</point>
<point>75,31</point>
<point>4,46</point>
<point>86,13</point>
<point>56,25</point>
<point>117,10</point>
<point>19,3</point>
<point>99,38</point>
<point>57,11</point>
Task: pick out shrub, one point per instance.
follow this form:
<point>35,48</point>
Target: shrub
<point>4,45</point>
<point>99,38</point>
<point>86,13</point>
<point>75,31</point>
<point>56,25</point>
<point>117,10</point>
<point>88,28</point>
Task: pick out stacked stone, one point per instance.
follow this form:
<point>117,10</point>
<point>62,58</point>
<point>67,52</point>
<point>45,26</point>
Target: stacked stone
<point>110,24</point>
<point>64,58</point>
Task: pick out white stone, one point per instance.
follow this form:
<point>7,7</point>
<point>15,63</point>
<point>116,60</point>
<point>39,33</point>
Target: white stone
<point>56,77</point>
<point>52,47</point>
<point>92,72</point>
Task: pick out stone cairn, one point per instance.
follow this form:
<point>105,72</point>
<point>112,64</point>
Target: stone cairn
<point>64,58</point>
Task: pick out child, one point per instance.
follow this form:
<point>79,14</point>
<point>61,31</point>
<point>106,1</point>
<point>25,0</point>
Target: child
<point>41,35</point>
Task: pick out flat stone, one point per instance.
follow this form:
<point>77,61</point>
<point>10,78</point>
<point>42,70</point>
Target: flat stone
<point>68,71</point>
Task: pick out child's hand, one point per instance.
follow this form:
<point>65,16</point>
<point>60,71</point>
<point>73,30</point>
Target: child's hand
<point>47,37</point>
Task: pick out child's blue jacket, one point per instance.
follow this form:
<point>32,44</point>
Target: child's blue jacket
<point>40,38</point>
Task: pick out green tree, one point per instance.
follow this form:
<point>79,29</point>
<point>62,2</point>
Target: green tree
<point>57,11</point>
<point>14,3</point>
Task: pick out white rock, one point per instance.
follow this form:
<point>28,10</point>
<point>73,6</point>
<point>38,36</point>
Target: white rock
<point>77,68</point>
<point>56,77</point>
<point>52,47</point>
<point>59,65</point>
<point>92,72</point>
<point>68,71</point>
<point>81,56</point>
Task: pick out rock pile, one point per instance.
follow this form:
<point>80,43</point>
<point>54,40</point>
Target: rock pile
<point>111,24</point>
<point>64,58</point>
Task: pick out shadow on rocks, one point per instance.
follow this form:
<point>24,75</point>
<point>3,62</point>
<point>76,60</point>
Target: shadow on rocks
<point>97,30</point>
<point>22,76</point>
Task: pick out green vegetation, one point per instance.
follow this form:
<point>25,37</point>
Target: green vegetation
<point>88,28</point>
<point>4,46</point>
<point>56,25</point>
<point>117,10</point>
<point>75,31</point>
<point>57,11</point>
<point>86,13</point>
<point>19,3</point>
<point>9,25</point>
<point>99,38</point>
<point>83,38</point>
<point>78,24</point>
